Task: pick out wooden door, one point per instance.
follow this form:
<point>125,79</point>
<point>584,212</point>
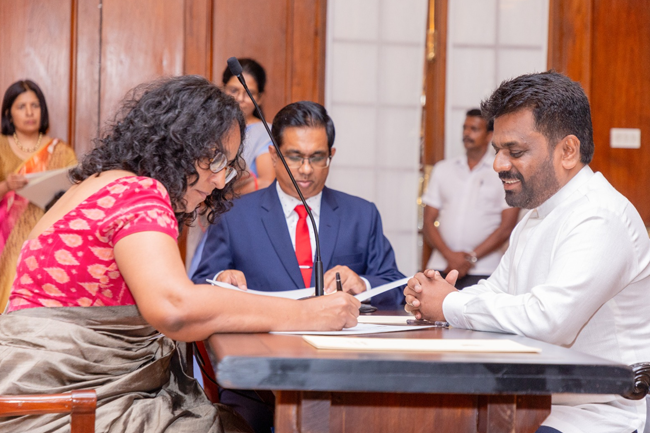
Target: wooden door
<point>605,45</point>
<point>35,43</point>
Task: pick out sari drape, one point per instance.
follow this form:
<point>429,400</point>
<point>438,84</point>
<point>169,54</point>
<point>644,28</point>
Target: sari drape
<point>17,215</point>
<point>135,371</point>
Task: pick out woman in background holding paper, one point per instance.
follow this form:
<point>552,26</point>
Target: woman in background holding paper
<point>24,148</point>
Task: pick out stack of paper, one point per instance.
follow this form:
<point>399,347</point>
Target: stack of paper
<point>305,293</point>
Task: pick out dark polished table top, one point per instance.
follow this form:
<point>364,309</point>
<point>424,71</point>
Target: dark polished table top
<point>287,362</point>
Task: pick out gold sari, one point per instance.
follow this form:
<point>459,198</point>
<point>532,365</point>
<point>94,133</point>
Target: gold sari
<point>135,370</point>
<point>17,215</point>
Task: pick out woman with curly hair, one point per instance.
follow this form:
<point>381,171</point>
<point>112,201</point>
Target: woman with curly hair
<point>101,294</point>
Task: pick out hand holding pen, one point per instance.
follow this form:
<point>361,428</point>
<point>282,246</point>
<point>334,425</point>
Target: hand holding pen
<point>350,282</point>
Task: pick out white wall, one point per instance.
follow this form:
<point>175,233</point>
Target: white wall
<point>489,41</point>
<point>375,61</point>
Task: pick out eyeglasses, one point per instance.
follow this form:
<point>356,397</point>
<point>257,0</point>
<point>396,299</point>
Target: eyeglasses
<point>236,92</point>
<point>219,162</point>
<point>316,161</point>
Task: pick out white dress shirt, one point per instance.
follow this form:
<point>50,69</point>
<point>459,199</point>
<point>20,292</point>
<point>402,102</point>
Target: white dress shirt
<point>577,274</point>
<point>289,204</point>
<point>470,203</point>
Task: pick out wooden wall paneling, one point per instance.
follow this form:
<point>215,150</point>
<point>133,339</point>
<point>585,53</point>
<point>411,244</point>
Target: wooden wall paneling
<point>433,113</point>
<point>605,44</point>
<point>198,38</point>
<point>570,39</point>
<point>140,41</point>
<point>620,92</point>
<point>255,29</point>
<point>85,92</point>
<point>35,44</point>
<point>306,54</point>
<point>435,85</point>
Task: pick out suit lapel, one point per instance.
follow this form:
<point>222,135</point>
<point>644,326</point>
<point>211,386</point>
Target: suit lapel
<point>328,227</point>
<point>276,228</point>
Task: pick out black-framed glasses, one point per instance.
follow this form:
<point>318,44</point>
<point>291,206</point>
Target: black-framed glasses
<point>220,162</point>
<point>316,161</point>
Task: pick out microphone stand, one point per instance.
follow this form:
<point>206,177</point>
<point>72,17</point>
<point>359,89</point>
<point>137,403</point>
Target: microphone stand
<point>319,283</point>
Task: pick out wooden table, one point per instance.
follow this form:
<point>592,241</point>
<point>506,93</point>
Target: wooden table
<point>342,391</point>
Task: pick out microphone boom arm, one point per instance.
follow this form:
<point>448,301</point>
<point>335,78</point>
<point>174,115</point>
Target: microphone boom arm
<point>319,282</point>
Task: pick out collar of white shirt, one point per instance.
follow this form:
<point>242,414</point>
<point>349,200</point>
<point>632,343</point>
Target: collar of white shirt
<point>289,203</point>
<point>487,160</point>
<point>581,178</point>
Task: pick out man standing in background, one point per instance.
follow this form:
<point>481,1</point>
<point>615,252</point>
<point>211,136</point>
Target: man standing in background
<point>466,218</point>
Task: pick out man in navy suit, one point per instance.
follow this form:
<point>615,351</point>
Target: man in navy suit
<point>254,243</point>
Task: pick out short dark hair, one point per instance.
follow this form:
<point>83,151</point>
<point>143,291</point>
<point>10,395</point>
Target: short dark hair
<point>303,114</point>
<point>11,94</point>
<point>163,130</point>
<point>252,68</point>
<point>559,105</point>
<point>476,112</point>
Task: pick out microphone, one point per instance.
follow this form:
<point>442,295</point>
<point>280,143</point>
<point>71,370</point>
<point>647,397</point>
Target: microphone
<point>236,70</point>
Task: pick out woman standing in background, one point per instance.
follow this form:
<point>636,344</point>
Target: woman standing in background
<point>259,166</point>
<point>24,148</point>
<point>256,147</point>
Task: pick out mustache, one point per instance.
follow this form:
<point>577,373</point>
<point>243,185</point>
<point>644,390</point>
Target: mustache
<point>510,175</point>
<point>467,140</point>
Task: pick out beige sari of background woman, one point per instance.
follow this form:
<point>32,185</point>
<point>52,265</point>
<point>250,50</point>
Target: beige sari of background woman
<point>17,215</point>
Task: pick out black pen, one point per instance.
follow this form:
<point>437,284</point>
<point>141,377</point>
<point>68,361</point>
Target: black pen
<point>339,286</point>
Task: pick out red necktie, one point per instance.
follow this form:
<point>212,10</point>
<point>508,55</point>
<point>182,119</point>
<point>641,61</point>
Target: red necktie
<point>303,245</point>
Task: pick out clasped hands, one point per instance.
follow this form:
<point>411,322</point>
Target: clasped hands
<point>351,282</point>
<point>425,293</point>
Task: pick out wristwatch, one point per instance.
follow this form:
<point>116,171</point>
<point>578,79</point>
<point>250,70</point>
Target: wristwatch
<point>472,257</point>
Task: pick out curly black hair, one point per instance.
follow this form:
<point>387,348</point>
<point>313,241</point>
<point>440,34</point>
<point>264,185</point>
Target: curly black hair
<point>163,130</point>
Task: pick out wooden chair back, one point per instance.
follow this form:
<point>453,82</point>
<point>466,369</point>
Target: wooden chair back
<point>641,385</point>
<point>80,405</point>
<point>209,378</point>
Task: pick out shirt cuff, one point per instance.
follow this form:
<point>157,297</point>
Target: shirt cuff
<point>453,307</point>
<point>368,287</point>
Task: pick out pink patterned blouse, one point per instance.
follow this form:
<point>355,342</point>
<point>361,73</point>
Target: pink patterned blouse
<point>71,264</point>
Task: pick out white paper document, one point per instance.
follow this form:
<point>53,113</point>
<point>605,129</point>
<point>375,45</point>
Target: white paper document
<point>360,329</point>
<point>289,294</point>
<point>385,320</point>
<point>44,185</point>
<point>381,289</point>
<point>305,293</point>
<point>419,345</point>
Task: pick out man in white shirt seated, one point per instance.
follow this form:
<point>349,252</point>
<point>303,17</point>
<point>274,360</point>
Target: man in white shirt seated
<point>577,272</point>
<point>466,217</point>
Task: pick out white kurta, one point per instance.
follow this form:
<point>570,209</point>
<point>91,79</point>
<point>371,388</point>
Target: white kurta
<point>577,274</point>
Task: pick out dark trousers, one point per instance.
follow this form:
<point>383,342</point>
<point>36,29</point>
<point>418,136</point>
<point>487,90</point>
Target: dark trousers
<point>256,407</point>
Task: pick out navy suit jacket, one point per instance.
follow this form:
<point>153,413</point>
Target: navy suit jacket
<point>253,237</point>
